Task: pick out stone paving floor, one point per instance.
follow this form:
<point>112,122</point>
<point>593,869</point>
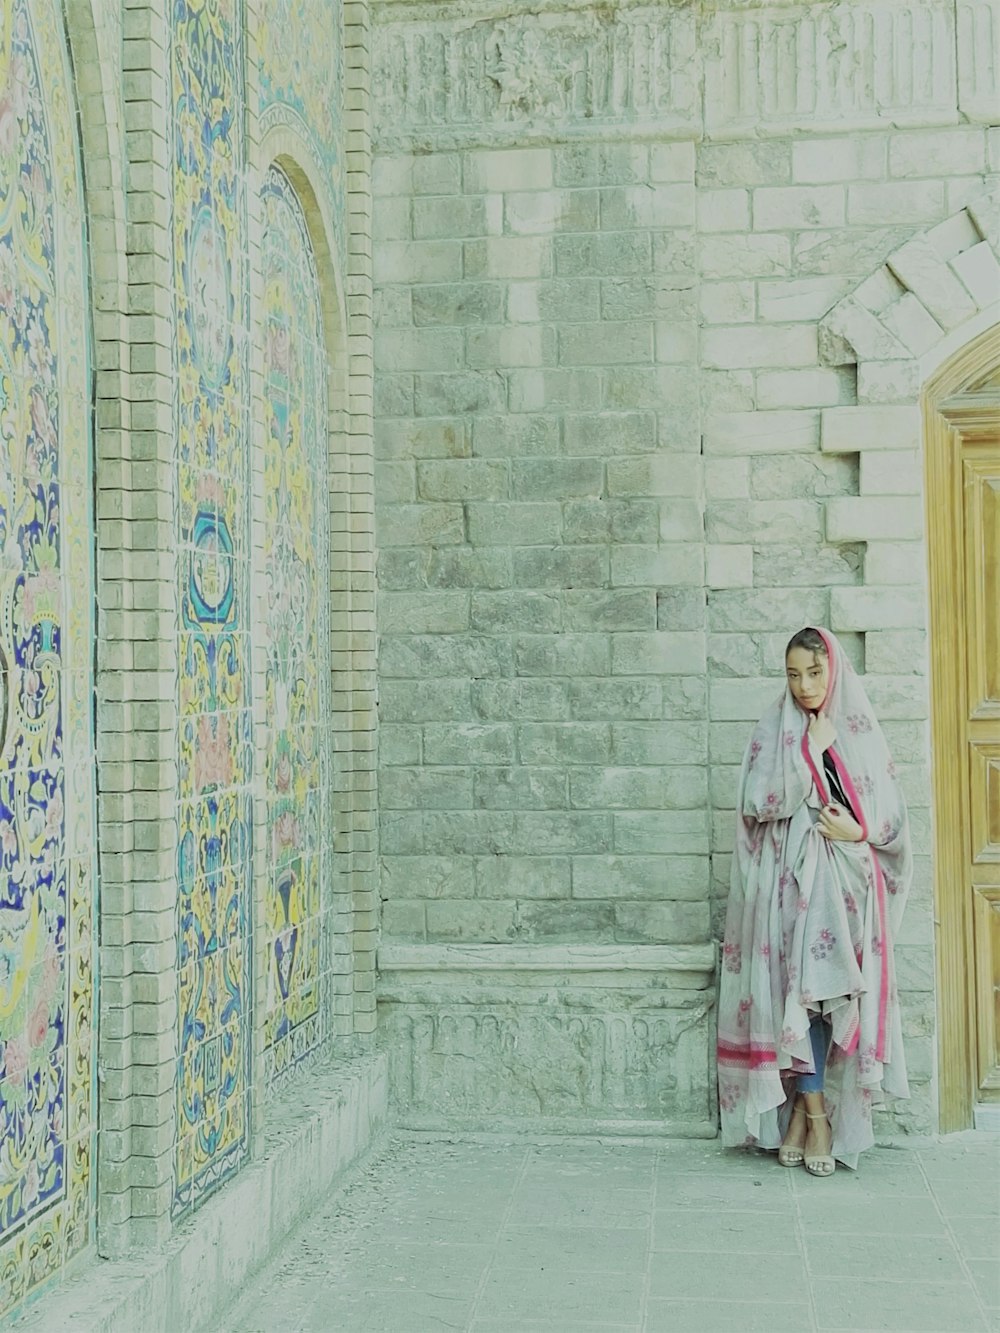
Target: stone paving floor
<point>579,1236</point>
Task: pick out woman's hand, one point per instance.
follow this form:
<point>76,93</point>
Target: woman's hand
<point>839,824</point>
<point>822,732</point>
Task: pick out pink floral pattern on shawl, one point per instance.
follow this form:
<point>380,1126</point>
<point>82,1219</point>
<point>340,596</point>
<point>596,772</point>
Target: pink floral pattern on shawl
<point>825,947</point>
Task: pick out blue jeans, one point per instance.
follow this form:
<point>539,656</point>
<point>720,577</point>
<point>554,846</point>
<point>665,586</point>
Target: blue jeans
<point>819,1038</point>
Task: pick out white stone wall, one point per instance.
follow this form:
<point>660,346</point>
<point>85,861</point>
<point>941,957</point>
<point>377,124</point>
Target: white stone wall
<point>646,404</point>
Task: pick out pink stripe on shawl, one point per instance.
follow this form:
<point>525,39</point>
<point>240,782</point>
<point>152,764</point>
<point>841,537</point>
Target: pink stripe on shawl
<point>883,999</point>
<point>754,1054</point>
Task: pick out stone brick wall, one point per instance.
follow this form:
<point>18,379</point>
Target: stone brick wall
<point>621,457</point>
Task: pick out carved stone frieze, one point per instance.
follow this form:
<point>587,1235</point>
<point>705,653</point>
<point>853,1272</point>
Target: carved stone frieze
<point>725,71</point>
<point>555,1035</point>
<point>528,73</point>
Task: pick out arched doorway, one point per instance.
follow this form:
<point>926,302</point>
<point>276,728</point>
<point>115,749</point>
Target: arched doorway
<point>961,406</point>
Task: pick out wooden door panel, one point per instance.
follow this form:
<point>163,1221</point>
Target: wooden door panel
<point>982,544</point>
<point>986,928</point>
<point>984,806</point>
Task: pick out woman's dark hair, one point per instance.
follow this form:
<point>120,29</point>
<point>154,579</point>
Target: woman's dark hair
<point>810,639</point>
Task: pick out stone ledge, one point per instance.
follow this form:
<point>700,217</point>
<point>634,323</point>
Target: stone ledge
<point>321,1125</point>
<point>563,958</point>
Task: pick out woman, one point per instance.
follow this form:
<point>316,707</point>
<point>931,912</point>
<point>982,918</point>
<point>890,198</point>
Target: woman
<point>809,1027</point>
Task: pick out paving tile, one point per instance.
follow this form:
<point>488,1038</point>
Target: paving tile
<point>986,1275</point>
<point>690,1275</point>
<point>550,1326</point>
<point>883,1183</point>
<point>382,1312</point>
<point>598,1249</point>
<point>910,1307</point>
<point>975,1240</point>
<point>961,1201</point>
<point>821,1212</point>
<point>712,1316</point>
<point>541,1205</point>
<point>746,1232</point>
<point>767,1191</point>
<point>518,1294</point>
<point>904,1257</point>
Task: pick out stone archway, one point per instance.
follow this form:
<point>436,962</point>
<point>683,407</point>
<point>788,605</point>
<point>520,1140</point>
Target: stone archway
<point>921,329</point>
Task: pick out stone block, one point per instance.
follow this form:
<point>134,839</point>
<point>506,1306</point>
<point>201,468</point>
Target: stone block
<point>892,472</point>
<point>425,789</point>
<point>564,743</point>
<point>507,170</point>
<point>620,700</point>
<point>399,743</point>
<point>672,564</point>
<point>729,566</point>
<point>420,524</point>
<point>557,479</point>
<point>576,921</point>
<point>888,382</point>
<point>909,202</point>
<point>784,208</point>
<point>849,158</point>
<point>503,611</point>
<point>601,433</point>
<point>920,267</point>
<point>742,611</point>
<point>464,919</point>
<point>734,256</point>
<point>899,697</point>
<point>520,788</point>
<point>799,298</point>
<point>392,220</point>
<point>606,343</point>
<point>405,878</point>
<point>727,478</point>
<point>431,656</point>
<point>571,831</point>
<point>519,877</point>
<point>470,567</point>
<point>677,787</point>
<point>559,300</point>
<point>395,483</point>
<point>874,608</point>
<point>622,609</point>
<point>418,261</point>
<point>812,476</point>
<point>804,388</point>
<point>523,523</point>
<point>661,832</point>
<point>737,521</point>
<point>458,303</point>
<point>979,269</point>
<point>562,655</point>
<point>727,302</point>
<point>723,210</point>
<point>450,217</point>
<point>845,250</point>
<point>425,701</point>
<point>661,654</point>
<point>655,296</point>
<point>512,436</point>
<point>661,474</point>
<point>672,161</point>
<point>657,743</point>
<point>792,566</point>
<point>487,349</point>
<point>463,479</point>
<point>520,699</point>
<point>938,152</point>
<point>470,832</point>
<point>852,429</point>
<point>470,743</point>
<point>509,257</point>
<point>562,567</point>
<point>895,562</point>
<point>735,433</point>
<point>674,878</point>
<point>752,347</point>
<point>443,438</point>
<point>681,521</point>
<point>554,390</point>
<point>743,700</point>
<point>609,253</point>
<point>542,212</point>
<point>437,173</point>
<point>647,206</point>
<point>610,521</point>
<point>864,518</point>
<point>458,394</point>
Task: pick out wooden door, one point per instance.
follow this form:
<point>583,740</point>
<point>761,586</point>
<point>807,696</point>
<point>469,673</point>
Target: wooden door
<point>963,506</point>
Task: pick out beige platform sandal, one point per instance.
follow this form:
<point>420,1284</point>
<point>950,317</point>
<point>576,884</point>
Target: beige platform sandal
<point>788,1154</point>
<point>819,1164</point>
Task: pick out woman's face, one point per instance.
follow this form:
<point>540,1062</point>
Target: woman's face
<point>808,677</point>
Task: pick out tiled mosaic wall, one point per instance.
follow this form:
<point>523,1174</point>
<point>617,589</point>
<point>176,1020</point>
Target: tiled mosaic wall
<point>47,813</point>
<point>296,661</point>
<point>301,85</point>
<point>215,751</point>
